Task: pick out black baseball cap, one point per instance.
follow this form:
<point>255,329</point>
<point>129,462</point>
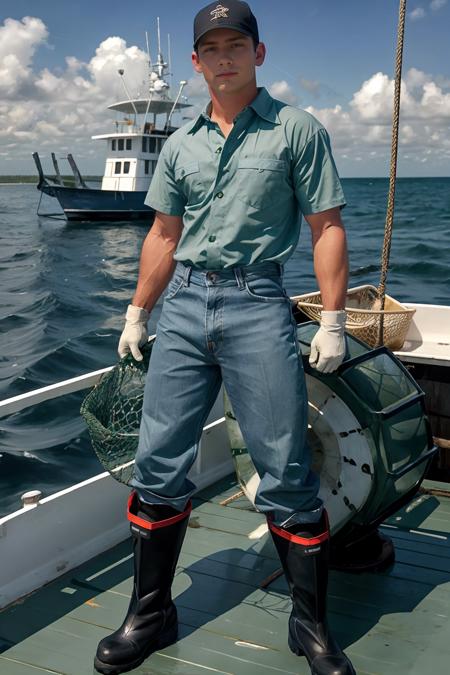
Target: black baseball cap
<point>232,14</point>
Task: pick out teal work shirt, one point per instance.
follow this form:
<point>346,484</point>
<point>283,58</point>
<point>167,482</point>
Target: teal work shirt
<point>241,197</point>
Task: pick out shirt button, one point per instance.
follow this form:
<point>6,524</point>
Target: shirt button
<point>212,237</point>
<point>219,195</point>
<point>219,150</point>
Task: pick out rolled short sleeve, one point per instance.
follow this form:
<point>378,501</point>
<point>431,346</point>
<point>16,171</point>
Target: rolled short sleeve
<point>164,194</point>
<point>316,181</point>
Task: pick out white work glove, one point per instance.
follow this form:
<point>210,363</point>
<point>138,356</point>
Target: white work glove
<point>134,335</point>
<point>328,344</point>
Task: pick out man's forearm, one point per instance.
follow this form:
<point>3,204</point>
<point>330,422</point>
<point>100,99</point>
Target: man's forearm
<point>331,267</point>
<point>155,268</point>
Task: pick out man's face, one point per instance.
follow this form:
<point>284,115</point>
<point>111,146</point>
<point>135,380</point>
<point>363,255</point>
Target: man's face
<point>227,60</point>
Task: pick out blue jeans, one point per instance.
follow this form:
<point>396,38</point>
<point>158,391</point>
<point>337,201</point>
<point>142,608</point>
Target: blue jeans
<point>234,326</point>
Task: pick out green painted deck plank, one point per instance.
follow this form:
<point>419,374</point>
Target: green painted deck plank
<point>228,511</point>
<point>424,512</point>
<point>209,593</point>
<point>419,540</point>
<point>212,522</point>
<point>210,650</point>
<point>41,647</point>
<point>278,604</point>
<point>387,623</point>
<point>11,667</point>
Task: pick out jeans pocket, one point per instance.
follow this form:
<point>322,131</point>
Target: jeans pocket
<point>266,289</point>
<point>175,285</point>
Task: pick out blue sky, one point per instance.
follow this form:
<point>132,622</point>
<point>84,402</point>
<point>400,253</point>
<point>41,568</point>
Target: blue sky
<point>334,58</point>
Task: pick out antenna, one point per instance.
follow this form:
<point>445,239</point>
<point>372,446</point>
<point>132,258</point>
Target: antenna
<point>170,59</point>
<point>159,36</point>
<point>182,84</point>
<point>148,51</point>
<point>121,72</point>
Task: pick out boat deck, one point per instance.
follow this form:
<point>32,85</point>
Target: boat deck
<point>392,623</point>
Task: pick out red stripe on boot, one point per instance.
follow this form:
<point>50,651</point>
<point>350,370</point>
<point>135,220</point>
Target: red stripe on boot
<point>149,525</point>
<point>303,541</point>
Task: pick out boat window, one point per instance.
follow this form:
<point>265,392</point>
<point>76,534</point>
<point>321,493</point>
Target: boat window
<point>117,167</point>
<point>113,144</point>
<point>126,167</point>
<point>146,165</point>
<point>144,143</point>
<point>154,163</point>
<point>120,144</point>
<point>128,143</point>
<point>152,144</point>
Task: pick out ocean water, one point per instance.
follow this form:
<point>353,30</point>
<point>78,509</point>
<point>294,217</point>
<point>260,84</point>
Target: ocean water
<point>64,289</point>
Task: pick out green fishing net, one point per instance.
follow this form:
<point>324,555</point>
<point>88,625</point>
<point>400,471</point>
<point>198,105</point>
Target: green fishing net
<point>112,411</point>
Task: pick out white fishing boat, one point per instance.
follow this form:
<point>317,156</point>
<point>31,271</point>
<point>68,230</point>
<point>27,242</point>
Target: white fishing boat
<point>140,131</point>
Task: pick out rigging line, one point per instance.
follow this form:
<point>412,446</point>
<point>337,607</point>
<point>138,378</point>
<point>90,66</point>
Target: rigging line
<point>393,168</point>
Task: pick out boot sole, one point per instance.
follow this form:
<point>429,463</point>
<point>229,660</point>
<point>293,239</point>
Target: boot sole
<point>164,640</point>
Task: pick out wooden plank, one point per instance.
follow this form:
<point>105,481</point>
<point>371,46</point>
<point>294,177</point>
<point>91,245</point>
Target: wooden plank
<point>66,647</point>
<point>278,603</point>
<point>228,511</point>
<point>222,523</point>
<point>386,623</point>
<point>11,667</point>
<point>209,649</point>
<point>410,538</point>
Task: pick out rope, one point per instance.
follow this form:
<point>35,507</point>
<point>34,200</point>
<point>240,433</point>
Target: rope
<point>393,170</point>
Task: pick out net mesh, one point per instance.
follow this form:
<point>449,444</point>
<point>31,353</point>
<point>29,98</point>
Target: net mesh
<point>112,411</point>
<point>364,315</point>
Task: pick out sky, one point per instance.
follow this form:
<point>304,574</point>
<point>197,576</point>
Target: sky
<point>334,58</point>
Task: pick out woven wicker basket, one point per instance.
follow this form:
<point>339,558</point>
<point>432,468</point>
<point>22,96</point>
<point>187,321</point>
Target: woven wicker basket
<point>363,315</point>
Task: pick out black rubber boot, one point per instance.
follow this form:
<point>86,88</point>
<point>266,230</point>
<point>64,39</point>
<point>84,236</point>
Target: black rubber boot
<point>304,553</point>
<point>151,621</point>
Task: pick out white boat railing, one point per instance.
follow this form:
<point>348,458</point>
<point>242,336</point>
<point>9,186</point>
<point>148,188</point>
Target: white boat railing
<point>22,401</point>
<point>71,526</point>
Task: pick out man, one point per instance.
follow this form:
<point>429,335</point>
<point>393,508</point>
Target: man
<point>227,193</point>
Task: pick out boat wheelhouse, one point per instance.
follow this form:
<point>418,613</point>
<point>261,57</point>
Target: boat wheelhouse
<point>133,148</point>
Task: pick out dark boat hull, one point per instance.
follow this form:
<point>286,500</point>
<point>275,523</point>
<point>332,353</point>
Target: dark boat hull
<point>89,204</point>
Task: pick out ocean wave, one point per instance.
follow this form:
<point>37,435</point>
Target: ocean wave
<point>64,291</point>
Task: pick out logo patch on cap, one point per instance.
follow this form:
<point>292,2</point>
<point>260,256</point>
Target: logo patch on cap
<point>220,12</point>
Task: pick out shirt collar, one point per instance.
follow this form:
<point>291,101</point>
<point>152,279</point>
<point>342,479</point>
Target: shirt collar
<point>263,105</point>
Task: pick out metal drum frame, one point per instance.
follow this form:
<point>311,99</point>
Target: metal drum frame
<point>368,432</point>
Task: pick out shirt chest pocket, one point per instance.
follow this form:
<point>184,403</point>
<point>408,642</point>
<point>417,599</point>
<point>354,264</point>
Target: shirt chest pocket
<point>187,177</point>
<point>261,182</point>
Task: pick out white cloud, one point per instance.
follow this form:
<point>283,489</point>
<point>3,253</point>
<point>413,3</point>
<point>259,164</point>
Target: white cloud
<point>418,13</point>
<point>40,108</point>
<point>366,126</point>
<point>196,88</point>
<point>283,91</point>
<point>111,55</point>
<point>313,86</point>
<point>436,5</point>
<point>61,109</point>
<point>18,42</point>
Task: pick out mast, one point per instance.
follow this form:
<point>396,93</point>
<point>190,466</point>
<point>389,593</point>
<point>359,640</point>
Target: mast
<point>169,53</point>
<point>121,72</point>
